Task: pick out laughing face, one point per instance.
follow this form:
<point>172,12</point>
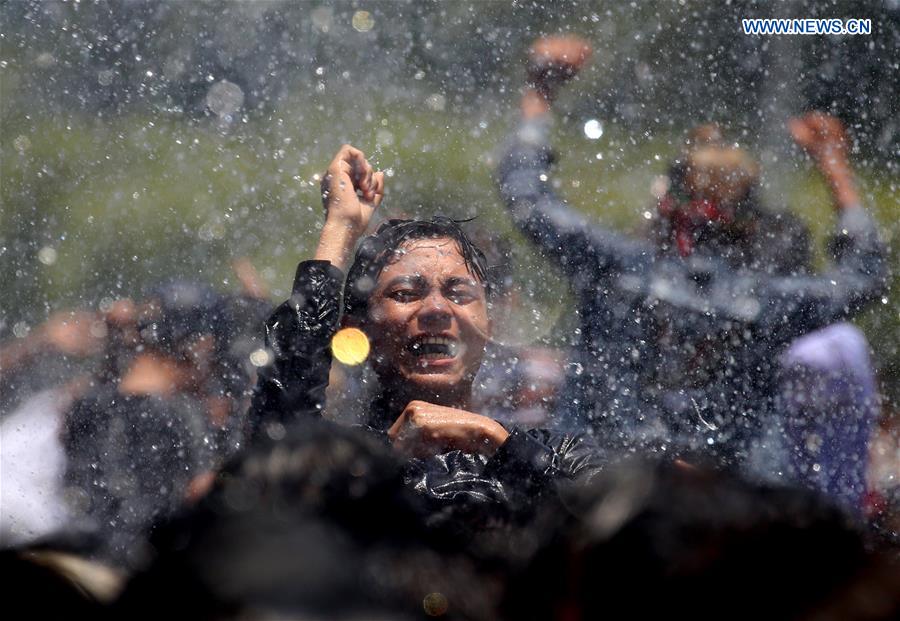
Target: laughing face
<point>428,322</point>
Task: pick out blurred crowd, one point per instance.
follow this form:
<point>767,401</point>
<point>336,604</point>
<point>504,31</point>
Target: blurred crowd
<point>710,441</point>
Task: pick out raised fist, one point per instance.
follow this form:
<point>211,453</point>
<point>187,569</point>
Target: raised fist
<point>822,136</point>
<point>351,189</point>
<point>554,60</point>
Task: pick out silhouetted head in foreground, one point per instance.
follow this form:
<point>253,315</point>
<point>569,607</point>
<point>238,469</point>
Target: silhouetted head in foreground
<point>317,526</point>
<point>668,541</point>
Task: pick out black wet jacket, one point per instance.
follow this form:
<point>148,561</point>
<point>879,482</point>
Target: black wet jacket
<point>455,485</point>
<point>671,348</point>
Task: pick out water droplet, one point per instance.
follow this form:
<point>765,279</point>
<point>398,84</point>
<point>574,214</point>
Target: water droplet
<point>363,21</point>
<point>593,129</point>
<point>260,358</point>
<point>435,604</point>
<point>22,144</point>
<point>47,255</point>
<point>224,98</point>
<point>436,102</point>
<point>105,77</point>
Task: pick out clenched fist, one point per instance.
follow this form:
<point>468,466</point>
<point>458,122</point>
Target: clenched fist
<point>425,429</point>
<point>351,189</point>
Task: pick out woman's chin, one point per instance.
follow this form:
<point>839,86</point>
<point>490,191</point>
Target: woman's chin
<point>434,381</point>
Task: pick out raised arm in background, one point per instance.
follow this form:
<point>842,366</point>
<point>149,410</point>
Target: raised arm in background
<point>566,235</point>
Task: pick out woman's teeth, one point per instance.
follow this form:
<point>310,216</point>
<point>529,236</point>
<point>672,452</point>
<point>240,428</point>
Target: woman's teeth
<point>434,347</point>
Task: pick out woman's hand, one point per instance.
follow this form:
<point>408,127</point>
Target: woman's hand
<point>351,191</point>
<point>825,139</point>
<point>425,429</point>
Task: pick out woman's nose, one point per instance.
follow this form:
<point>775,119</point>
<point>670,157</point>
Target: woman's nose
<point>435,310</point>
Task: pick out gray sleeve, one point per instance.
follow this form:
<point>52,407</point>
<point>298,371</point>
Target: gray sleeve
<point>560,231</point>
<point>858,275</point>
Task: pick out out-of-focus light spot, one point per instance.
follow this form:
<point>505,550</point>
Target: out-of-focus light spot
<point>435,604</point>
<point>21,330</point>
<point>436,102</point>
<point>259,357</point>
<point>98,329</point>
<point>224,98</point>
<point>44,60</point>
<point>384,137</point>
<point>321,18</point>
<point>363,21</point>
<point>599,156</point>
<point>47,255</point>
<point>105,77</point>
<point>350,346</point>
<point>593,129</point>
<point>647,215</point>
<point>22,144</point>
<point>320,70</point>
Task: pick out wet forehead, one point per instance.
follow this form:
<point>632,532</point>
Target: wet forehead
<point>432,259</point>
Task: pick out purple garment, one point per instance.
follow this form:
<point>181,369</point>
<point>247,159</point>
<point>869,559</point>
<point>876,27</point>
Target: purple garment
<point>829,403</point>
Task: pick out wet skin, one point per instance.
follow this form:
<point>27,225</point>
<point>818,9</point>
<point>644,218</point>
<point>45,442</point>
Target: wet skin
<point>428,323</point>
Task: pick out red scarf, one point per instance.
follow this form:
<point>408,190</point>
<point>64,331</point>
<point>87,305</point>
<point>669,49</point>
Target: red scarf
<point>687,218</point>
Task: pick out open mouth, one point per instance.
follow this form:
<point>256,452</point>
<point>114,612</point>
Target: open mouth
<point>433,348</point>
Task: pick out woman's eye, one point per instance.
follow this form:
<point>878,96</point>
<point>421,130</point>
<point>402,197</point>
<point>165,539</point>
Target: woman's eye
<point>403,295</point>
<point>460,296</point>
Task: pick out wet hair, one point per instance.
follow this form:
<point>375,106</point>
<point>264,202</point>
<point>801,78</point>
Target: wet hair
<point>704,543</point>
<point>317,525</point>
<point>184,311</point>
<point>376,251</point>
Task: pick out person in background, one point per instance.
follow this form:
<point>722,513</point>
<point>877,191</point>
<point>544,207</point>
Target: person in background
<point>683,337</point>
<point>43,373</point>
<point>185,349</point>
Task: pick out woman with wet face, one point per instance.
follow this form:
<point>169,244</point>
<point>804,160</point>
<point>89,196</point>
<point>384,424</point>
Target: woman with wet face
<point>418,291</point>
